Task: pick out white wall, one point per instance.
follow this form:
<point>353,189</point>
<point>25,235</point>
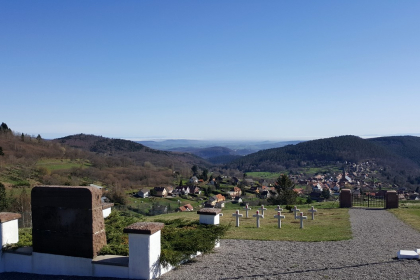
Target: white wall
<point>61,265</point>
<point>100,270</point>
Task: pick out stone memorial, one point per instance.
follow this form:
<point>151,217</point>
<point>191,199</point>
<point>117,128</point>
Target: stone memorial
<point>296,211</point>
<point>258,216</point>
<point>247,210</point>
<point>279,216</point>
<point>278,208</point>
<point>237,216</point>
<point>312,211</point>
<point>67,221</point>
<point>301,218</point>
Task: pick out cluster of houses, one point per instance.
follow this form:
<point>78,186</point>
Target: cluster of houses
<point>168,191</point>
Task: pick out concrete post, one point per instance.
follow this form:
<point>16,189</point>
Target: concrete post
<point>144,250</point>
<point>209,216</point>
<point>391,199</point>
<point>9,232</point>
<point>345,198</point>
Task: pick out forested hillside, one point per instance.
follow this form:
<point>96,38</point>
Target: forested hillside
<point>117,164</point>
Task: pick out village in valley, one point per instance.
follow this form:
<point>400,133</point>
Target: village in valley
<point>234,191</point>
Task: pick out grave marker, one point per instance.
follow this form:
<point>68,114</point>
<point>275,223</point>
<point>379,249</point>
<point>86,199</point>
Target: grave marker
<point>237,215</point>
<point>301,218</point>
<point>279,216</point>
<point>295,210</point>
<point>262,209</point>
<point>312,210</point>
<point>258,216</point>
<point>279,209</point>
<point>247,210</point>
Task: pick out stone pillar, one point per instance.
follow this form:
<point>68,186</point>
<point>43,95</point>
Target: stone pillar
<point>345,198</point>
<point>144,250</point>
<point>209,216</point>
<point>391,199</point>
<point>9,232</point>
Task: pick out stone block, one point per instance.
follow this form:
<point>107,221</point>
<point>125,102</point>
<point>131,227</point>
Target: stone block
<point>407,254</point>
<point>67,221</point>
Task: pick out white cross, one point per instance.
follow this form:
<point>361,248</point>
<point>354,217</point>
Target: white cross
<point>295,210</point>
<point>258,216</point>
<point>247,209</point>
<point>237,215</point>
<point>262,209</point>
<point>312,210</point>
<point>278,208</point>
<point>301,217</point>
<point>279,216</point>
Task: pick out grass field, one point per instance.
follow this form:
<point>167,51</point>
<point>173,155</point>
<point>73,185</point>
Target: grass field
<point>409,213</point>
<point>329,225</point>
<point>264,175</point>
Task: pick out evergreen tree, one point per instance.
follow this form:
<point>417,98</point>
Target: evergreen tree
<point>285,190</point>
<point>22,138</point>
<point>4,203</point>
<point>194,169</point>
<point>39,138</point>
<point>1,151</point>
<point>325,193</point>
<point>204,175</point>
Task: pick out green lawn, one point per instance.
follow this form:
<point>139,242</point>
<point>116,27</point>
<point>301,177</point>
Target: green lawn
<point>409,212</point>
<point>264,175</point>
<point>329,225</point>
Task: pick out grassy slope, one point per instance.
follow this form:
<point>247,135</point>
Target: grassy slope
<point>409,213</point>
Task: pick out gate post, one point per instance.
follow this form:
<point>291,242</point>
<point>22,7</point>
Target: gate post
<point>391,199</point>
<point>345,198</point>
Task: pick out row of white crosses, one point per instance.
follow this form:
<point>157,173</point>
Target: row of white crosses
<point>279,216</point>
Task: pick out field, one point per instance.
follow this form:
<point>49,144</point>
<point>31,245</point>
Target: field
<point>329,225</point>
<point>408,212</point>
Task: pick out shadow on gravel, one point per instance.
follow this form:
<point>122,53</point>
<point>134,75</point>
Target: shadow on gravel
<point>308,270</point>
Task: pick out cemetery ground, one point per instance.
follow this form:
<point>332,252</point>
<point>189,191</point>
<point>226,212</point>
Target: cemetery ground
<point>329,224</point>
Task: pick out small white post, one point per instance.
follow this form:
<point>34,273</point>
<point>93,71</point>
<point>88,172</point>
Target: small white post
<point>312,210</point>
<point>237,216</point>
<point>210,216</point>
<point>262,209</point>
<point>301,217</point>
<point>258,216</point>
<point>247,210</point>
<point>279,216</point>
<point>9,232</point>
<point>296,211</point>
<point>144,250</point>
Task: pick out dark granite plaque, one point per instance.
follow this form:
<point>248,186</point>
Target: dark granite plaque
<point>67,221</point>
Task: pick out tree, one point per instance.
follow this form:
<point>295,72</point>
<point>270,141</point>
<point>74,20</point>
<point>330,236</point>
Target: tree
<point>194,170</point>
<point>39,138</point>
<point>285,190</point>
<point>1,151</point>
<point>204,175</point>
<point>22,138</point>
<point>325,193</point>
<point>4,202</point>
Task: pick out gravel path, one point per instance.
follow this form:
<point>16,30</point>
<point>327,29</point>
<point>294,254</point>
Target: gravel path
<point>377,237</point>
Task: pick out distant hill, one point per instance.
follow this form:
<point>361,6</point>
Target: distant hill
<point>207,152</point>
<point>193,146</point>
<point>135,151</point>
<point>388,151</point>
<point>404,146</point>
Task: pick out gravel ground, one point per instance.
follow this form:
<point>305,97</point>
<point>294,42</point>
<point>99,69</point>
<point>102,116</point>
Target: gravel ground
<point>377,237</point>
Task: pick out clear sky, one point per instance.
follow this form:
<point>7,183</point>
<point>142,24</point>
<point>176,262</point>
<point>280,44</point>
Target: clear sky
<point>210,69</point>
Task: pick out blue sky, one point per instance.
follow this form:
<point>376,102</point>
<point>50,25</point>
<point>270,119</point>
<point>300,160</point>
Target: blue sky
<point>246,70</point>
